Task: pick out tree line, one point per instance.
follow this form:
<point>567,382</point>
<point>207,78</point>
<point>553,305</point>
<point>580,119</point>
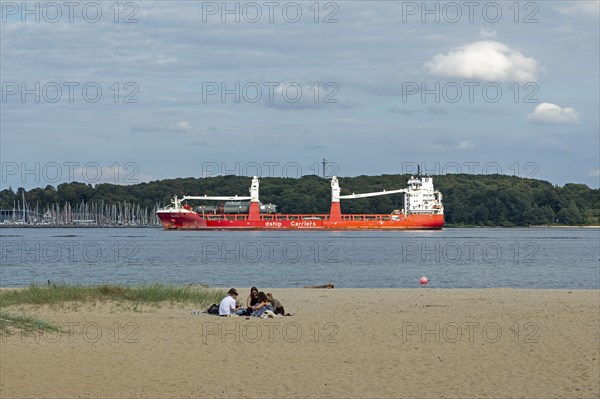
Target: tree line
<point>469,200</point>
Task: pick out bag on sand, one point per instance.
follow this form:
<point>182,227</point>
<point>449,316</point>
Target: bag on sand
<point>213,309</point>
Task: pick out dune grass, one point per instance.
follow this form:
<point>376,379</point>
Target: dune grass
<point>152,293</point>
<point>57,294</point>
<point>10,323</point>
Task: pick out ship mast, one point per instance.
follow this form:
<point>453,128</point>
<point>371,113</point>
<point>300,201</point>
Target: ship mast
<point>254,211</point>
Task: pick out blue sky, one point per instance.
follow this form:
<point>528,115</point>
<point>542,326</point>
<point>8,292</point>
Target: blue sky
<point>191,88</point>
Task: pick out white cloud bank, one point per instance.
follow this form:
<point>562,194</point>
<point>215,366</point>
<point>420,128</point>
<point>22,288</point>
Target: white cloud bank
<point>552,113</point>
<point>485,60</point>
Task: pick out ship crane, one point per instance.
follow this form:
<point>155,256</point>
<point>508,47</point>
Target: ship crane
<point>365,195</point>
<point>336,212</point>
<point>336,197</point>
<point>254,211</point>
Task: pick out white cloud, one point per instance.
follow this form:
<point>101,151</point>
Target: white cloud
<point>179,127</point>
<point>594,173</point>
<point>465,145</point>
<point>552,113</point>
<point>485,60</point>
<point>445,145</point>
<point>483,32</point>
<point>182,126</point>
<point>591,7</point>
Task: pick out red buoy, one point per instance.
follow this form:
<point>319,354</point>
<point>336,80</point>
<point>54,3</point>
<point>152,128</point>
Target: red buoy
<point>423,280</point>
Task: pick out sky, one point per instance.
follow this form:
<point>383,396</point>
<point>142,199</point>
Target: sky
<point>132,91</point>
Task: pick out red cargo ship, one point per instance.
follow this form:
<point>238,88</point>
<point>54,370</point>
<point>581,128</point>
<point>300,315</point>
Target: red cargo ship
<point>423,210</point>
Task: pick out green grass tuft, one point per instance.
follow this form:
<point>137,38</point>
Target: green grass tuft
<point>11,323</point>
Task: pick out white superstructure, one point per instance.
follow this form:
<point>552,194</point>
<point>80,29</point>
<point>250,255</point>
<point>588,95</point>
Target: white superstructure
<point>420,197</point>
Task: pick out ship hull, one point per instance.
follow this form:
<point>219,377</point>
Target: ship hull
<point>189,220</point>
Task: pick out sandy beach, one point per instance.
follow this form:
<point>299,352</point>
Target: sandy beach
<point>360,343</point>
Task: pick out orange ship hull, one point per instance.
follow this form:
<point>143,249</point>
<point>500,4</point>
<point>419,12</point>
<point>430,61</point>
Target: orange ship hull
<point>424,210</point>
<point>189,220</point>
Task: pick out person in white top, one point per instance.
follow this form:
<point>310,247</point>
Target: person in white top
<point>229,305</point>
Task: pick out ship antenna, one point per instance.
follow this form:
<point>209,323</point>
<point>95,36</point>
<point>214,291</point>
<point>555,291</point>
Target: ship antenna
<point>418,170</point>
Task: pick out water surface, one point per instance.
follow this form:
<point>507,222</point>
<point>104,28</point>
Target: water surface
<point>450,258</point>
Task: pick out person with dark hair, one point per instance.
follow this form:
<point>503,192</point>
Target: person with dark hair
<point>229,304</point>
<point>262,305</point>
<point>277,306</point>
<point>252,298</point>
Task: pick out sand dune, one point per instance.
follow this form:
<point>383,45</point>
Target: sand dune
<point>431,343</point>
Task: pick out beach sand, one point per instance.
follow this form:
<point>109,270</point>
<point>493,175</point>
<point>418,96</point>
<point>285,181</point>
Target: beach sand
<point>363,343</point>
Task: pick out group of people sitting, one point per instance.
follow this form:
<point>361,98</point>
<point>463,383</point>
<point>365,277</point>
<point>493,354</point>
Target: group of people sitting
<point>258,304</point>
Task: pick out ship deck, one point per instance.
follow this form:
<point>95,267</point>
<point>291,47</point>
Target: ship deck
<point>301,217</point>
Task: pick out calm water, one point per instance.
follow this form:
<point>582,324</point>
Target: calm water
<point>451,258</point>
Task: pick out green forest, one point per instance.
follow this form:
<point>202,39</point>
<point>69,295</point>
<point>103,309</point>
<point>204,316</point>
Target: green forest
<point>469,200</point>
